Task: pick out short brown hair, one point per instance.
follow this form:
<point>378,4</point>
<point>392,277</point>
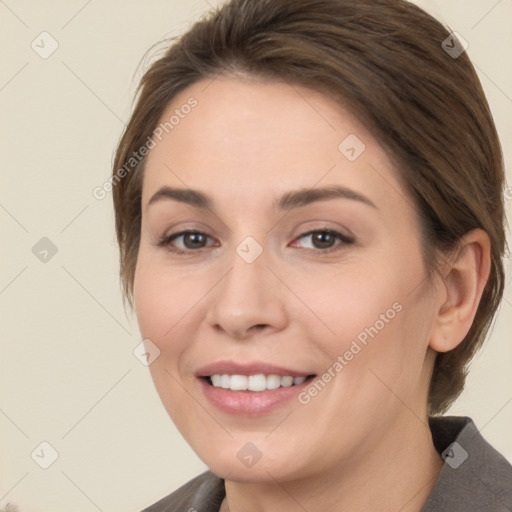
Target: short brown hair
<point>383,60</point>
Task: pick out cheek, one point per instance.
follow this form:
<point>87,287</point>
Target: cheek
<point>156,301</point>
<point>375,319</point>
<point>147,298</point>
<point>162,300</point>
<point>348,302</point>
<point>168,301</point>
<point>156,306</point>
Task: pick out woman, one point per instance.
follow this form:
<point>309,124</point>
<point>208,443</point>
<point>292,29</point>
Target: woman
<point>309,210</point>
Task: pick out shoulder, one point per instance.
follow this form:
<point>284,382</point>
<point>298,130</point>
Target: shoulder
<point>203,493</point>
<point>475,476</point>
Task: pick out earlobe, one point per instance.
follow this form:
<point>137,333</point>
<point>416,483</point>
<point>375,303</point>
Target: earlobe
<point>466,275</point>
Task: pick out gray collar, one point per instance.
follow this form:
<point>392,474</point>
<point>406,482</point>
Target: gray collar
<point>475,477</point>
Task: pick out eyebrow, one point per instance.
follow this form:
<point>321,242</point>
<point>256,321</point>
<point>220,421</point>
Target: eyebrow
<point>292,199</point>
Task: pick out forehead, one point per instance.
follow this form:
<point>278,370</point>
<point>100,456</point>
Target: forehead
<point>260,137</point>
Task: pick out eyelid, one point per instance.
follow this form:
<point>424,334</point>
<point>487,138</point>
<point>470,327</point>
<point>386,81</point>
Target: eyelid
<point>347,238</point>
<point>165,240</point>
<point>343,238</point>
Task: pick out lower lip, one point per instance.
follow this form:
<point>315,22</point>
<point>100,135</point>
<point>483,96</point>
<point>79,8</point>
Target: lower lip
<point>250,403</point>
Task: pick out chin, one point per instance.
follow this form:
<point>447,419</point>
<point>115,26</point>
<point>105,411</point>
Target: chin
<point>258,474</point>
<point>231,466</point>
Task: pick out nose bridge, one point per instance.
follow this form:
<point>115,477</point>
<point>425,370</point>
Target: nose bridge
<point>249,267</point>
<point>248,294</point>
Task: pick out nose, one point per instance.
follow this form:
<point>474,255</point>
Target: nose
<point>248,300</point>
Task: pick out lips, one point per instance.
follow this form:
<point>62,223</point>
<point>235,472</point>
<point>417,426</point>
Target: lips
<point>255,368</point>
<point>250,389</point>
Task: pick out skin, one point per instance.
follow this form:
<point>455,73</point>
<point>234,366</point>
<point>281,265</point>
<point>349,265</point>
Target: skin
<point>363,442</point>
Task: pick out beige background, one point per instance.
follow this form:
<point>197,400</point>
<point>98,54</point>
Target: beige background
<point>68,374</point>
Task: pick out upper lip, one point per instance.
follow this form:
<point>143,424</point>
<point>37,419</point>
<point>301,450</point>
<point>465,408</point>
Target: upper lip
<point>252,368</point>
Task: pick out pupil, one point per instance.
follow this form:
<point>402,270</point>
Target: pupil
<point>195,238</point>
<point>323,238</point>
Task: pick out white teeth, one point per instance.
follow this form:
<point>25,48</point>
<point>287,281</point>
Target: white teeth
<point>258,382</point>
<point>287,381</point>
<point>273,381</point>
<point>225,381</point>
<point>238,383</point>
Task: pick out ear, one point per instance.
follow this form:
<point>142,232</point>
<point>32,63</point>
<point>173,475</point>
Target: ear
<point>465,277</point>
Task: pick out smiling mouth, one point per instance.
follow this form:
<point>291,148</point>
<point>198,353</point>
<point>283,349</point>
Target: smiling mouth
<point>254,383</point>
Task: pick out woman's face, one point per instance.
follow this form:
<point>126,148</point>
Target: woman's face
<point>306,262</point>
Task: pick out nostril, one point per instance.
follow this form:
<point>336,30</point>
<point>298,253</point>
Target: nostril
<point>259,326</point>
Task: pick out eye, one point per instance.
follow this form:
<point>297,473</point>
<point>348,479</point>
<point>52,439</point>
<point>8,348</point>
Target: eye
<point>192,240</point>
<point>325,239</point>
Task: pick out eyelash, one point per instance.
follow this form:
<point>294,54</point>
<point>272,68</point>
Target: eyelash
<point>166,241</point>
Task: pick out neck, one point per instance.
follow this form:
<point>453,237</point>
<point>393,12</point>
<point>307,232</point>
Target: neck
<point>399,474</point>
